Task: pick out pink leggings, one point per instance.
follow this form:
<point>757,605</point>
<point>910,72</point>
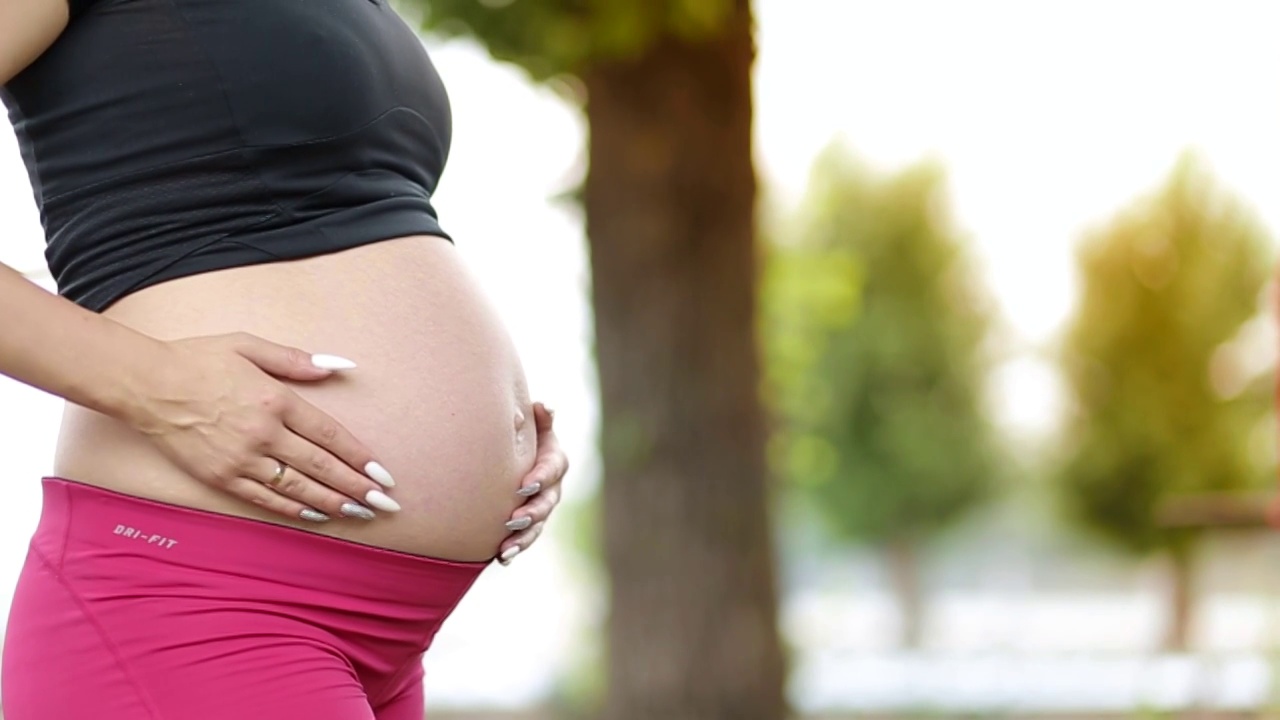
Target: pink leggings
<point>129,609</point>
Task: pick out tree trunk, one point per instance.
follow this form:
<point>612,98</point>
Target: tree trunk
<point>904,575</point>
<point>670,206</point>
<point>1182,599</point>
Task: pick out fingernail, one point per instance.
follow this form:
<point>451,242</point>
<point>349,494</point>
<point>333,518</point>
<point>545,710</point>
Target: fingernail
<point>509,555</point>
<point>379,474</point>
<point>379,499</point>
<point>357,511</point>
<point>529,490</point>
<point>313,516</point>
<point>331,362</point>
<point>519,523</point>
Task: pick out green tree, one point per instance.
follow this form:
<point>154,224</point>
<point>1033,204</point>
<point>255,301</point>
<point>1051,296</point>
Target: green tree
<point>1161,406</point>
<point>876,331</point>
<point>669,200</point>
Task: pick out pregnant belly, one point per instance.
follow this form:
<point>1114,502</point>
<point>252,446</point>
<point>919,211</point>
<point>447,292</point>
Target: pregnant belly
<point>439,394</point>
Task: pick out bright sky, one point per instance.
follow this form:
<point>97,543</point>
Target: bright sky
<point>1049,116</point>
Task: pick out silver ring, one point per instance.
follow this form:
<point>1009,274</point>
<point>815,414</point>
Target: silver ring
<point>280,469</point>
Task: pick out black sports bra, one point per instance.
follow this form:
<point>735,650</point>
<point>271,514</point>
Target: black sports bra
<point>165,138</point>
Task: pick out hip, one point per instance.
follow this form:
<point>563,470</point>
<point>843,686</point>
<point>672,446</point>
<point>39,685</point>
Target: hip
<point>112,584</point>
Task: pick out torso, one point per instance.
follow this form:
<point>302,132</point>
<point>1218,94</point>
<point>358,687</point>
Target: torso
<point>267,166</point>
<point>439,394</point>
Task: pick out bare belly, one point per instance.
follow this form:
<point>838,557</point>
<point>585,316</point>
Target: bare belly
<point>439,394</point>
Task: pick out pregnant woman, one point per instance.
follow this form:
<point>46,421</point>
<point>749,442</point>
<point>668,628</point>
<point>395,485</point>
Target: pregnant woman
<point>295,431</point>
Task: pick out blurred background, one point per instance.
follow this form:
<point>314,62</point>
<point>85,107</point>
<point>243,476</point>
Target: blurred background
<point>915,357</point>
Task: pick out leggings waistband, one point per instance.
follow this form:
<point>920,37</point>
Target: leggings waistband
<point>109,523</point>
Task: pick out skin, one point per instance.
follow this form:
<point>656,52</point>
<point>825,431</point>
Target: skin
<point>207,414</point>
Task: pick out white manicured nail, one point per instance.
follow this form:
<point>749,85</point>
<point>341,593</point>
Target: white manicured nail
<point>509,554</point>
<point>331,362</point>
<point>379,500</point>
<point>379,474</point>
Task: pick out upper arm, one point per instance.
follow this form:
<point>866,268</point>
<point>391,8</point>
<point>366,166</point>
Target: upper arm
<point>27,29</point>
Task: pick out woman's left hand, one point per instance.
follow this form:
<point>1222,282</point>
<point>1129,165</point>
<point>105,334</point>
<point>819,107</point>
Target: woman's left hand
<point>541,485</point>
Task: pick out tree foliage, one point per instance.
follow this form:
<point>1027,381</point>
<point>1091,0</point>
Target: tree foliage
<point>875,334</point>
<point>1162,407</point>
<point>552,37</point>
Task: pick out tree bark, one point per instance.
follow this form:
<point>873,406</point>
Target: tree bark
<point>1181,617</point>
<point>904,575</point>
<point>670,211</point>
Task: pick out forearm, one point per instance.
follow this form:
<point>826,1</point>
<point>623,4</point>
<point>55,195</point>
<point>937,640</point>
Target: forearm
<point>52,344</point>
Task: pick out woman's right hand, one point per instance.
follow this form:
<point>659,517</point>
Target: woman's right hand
<point>217,410</point>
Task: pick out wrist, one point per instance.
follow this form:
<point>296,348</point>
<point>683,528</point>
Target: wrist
<point>129,390</point>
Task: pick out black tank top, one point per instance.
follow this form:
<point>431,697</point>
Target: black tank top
<point>165,138</point>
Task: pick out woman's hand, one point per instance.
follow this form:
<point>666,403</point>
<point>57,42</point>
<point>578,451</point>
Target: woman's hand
<point>541,485</point>
<point>216,411</point>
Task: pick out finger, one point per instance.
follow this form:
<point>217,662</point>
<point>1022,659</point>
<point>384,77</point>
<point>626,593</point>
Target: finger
<point>548,469</point>
<point>518,544</point>
<point>318,478</point>
<point>543,417</point>
<point>548,443</point>
<point>297,485</point>
<point>304,419</point>
<point>264,497</point>
<point>535,511</point>
<point>288,362</point>
<point>551,463</point>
